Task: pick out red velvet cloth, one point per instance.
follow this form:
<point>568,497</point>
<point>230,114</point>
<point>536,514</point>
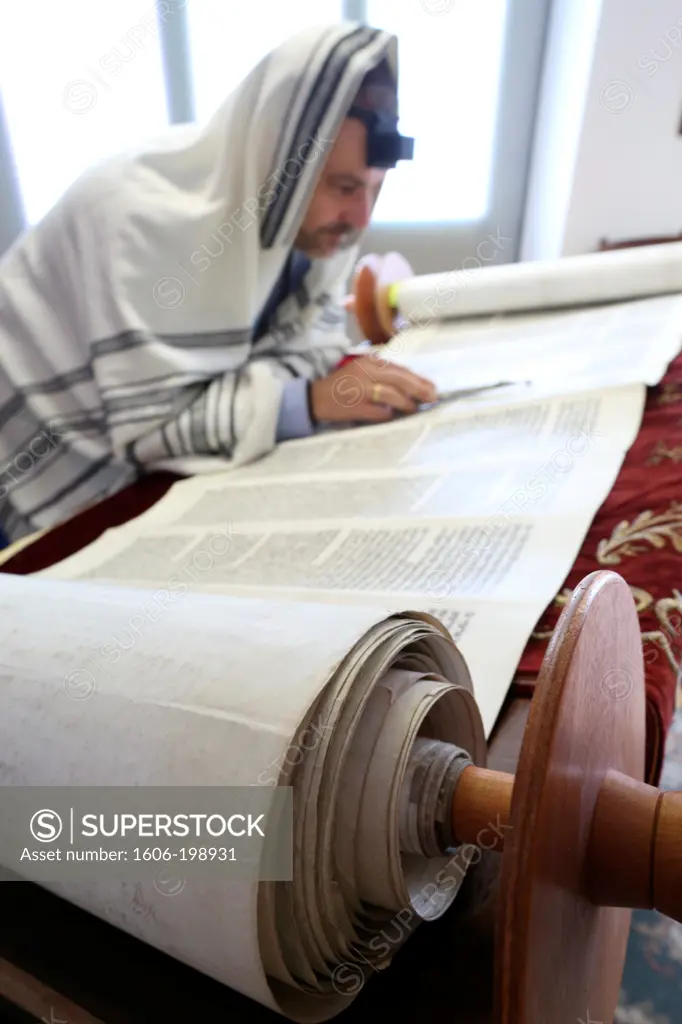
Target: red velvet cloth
<point>84,528</point>
<point>637,532</point>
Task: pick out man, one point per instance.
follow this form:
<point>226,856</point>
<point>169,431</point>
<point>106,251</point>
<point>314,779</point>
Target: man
<point>181,306</point>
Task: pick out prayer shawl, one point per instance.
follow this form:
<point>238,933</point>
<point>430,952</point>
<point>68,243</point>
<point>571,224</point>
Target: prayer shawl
<point>127,313</point>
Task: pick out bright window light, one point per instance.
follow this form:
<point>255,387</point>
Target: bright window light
<point>450,57</point>
<point>80,81</point>
<point>227,40</point>
<point>93,85</point>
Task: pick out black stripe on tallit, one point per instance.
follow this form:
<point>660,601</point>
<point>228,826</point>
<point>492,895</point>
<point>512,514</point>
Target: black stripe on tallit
<point>197,430</point>
<point>118,343</point>
<point>321,93</point>
<point>235,389</point>
<point>13,523</point>
<point>166,442</point>
<point>155,396</point>
<point>132,458</point>
<point>64,492</point>
<point>52,438</point>
<point>170,419</point>
<point>208,339</point>
<point>61,382</point>
<point>204,339</point>
<point>12,408</point>
<point>150,385</point>
<point>285,361</point>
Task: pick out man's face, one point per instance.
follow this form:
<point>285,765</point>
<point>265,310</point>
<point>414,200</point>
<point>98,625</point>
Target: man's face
<point>342,203</point>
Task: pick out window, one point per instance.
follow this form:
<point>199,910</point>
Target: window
<point>470,73</point>
<point>226,40</point>
<point>449,85</point>
<point>93,85</point>
<point>83,79</point>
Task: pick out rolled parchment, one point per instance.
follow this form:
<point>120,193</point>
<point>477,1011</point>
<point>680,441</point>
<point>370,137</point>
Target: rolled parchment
<point>343,703</point>
<point>478,288</point>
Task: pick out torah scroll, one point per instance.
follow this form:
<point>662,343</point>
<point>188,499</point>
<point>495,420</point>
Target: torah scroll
<point>343,703</point>
<point>479,288</point>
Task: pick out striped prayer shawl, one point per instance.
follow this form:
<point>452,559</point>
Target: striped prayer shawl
<point>127,313</point>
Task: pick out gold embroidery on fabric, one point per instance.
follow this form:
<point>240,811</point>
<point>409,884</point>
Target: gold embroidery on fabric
<point>642,598</point>
<point>668,611</point>
<point>669,614</point>
<point>661,452</point>
<point>660,642</point>
<point>670,392</point>
<point>630,539</point>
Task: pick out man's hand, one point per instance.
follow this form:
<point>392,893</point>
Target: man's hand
<point>368,390</point>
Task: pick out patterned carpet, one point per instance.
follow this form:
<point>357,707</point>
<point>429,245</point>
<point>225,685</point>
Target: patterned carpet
<point>651,991</point>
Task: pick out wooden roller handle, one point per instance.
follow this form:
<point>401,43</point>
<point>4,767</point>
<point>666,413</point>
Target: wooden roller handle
<point>374,277</point>
<point>481,805</point>
<point>634,853</point>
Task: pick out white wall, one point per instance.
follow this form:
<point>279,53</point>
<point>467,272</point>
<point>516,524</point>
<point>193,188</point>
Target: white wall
<point>607,161</point>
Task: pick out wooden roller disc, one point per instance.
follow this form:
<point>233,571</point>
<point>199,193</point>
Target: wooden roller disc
<point>393,268</point>
<point>373,279</point>
<point>584,838</point>
<point>364,290</point>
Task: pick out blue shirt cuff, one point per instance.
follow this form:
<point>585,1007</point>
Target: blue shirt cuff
<point>294,418</point>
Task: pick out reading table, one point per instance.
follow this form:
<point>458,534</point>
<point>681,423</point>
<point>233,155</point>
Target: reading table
<point>59,963</point>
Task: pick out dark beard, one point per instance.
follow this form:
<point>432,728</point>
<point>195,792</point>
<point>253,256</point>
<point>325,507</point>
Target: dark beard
<point>311,241</point>
<point>349,238</point>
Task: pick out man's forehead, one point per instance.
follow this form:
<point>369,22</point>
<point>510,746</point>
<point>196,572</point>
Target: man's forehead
<point>348,156</point>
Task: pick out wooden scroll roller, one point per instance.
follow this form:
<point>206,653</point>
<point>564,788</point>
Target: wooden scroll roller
<point>583,839</point>
<point>374,277</point>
